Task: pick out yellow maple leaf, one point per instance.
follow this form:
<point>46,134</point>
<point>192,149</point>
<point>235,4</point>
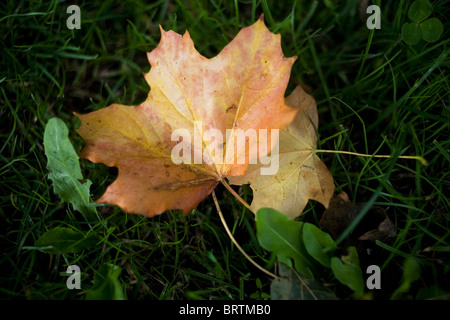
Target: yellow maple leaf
<point>302,175</point>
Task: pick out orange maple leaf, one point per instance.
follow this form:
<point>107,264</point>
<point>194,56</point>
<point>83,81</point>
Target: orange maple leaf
<point>241,88</point>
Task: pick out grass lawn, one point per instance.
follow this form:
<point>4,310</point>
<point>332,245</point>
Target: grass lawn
<point>375,94</point>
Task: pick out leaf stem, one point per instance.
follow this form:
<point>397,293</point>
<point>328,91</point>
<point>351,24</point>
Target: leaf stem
<point>421,159</point>
<point>235,242</point>
<point>236,195</point>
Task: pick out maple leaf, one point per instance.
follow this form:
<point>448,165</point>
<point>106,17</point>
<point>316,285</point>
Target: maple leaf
<point>302,175</point>
<point>241,88</point>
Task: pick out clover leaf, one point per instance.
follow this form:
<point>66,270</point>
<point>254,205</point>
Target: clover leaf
<point>420,10</point>
<point>411,33</point>
<point>429,30</point>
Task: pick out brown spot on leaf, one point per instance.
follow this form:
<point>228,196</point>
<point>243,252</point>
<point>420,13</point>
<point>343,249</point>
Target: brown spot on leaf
<point>230,108</point>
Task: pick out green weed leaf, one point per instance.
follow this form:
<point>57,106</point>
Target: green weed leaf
<point>62,240</point>
<point>106,284</point>
<point>318,243</point>
<point>431,29</point>
<point>411,33</point>
<point>292,286</point>
<point>420,10</point>
<point>411,273</point>
<point>348,271</point>
<point>281,235</point>
<point>63,164</point>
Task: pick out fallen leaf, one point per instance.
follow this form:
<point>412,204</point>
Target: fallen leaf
<point>338,215</point>
<point>386,230</point>
<point>375,225</point>
<point>241,88</point>
<point>301,175</point>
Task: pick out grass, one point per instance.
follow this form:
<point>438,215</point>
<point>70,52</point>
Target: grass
<point>375,94</point>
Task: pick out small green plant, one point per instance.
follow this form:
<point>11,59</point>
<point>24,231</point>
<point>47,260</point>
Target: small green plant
<point>64,166</point>
<point>348,271</point>
<point>429,30</point>
<point>305,252</point>
<point>106,284</point>
<point>62,240</point>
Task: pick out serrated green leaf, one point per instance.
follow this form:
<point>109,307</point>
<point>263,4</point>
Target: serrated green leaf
<point>106,284</point>
<point>63,164</point>
<point>431,29</point>
<point>348,271</point>
<point>420,10</point>
<point>318,243</point>
<point>281,235</point>
<point>62,240</point>
<point>411,33</point>
<point>292,286</point>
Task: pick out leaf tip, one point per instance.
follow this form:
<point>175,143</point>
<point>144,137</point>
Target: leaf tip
<point>186,34</point>
<point>424,161</point>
